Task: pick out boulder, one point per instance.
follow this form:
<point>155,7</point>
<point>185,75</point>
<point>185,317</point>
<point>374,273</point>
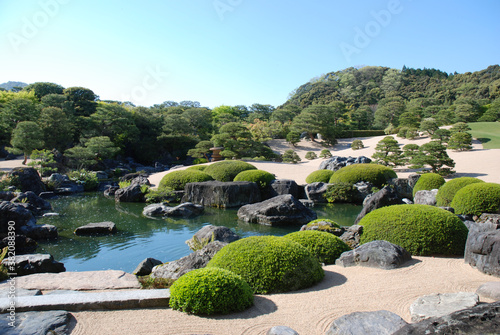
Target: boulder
<point>425,197</point>
<point>212,233</point>
<point>281,187</point>
<point>412,180</point>
<point>63,185</point>
<point>402,187</point>
<point>39,232</point>
<point>196,260</point>
<point>97,228</point>
<point>24,265</point>
<point>34,202</point>
<point>24,244</point>
<point>185,210</point>
<point>280,210</point>
<point>367,323</point>
<point>28,179</point>
<point>336,162</point>
<point>146,266</point>
<point>490,290</point>
<point>387,196</point>
<point>37,323</point>
<point>352,235</point>
<point>141,180</point>
<point>110,191</point>
<point>281,330</point>
<point>482,249</point>
<point>315,192</point>
<point>437,305</point>
<point>57,180</point>
<point>11,212</point>
<point>222,194</point>
<point>130,193</point>
<point>7,195</point>
<point>375,254</point>
<point>363,190</point>
<point>321,225</point>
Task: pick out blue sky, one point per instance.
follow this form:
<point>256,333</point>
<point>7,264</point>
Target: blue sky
<point>235,51</point>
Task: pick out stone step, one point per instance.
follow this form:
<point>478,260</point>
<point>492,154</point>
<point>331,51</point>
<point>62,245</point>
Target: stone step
<point>108,300</point>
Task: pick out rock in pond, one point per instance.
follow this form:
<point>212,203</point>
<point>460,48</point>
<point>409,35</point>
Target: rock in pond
<point>132,193</point>
<point>222,194</point>
<point>28,179</point>
<point>185,210</point>
<point>98,228</point>
<point>34,202</point>
<point>367,323</point>
<point>146,266</point>
<point>315,192</point>
<point>24,244</point>
<point>375,254</point>
<point>212,233</point>
<point>24,265</point>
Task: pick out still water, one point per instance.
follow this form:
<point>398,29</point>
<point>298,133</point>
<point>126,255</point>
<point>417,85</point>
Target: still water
<point>139,237</point>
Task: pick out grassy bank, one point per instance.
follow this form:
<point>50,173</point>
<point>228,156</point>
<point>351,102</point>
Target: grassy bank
<point>486,132</point>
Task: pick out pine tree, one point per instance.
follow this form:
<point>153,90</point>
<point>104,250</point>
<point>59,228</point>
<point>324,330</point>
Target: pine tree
<point>388,152</point>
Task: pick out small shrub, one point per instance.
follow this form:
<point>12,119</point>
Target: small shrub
<point>176,180</point>
<point>261,178</point>
<point>227,170</point>
<point>200,161</point>
<point>428,181</point>
<point>448,190</point>
<point>477,198</point>
<point>357,144</point>
<point>421,229</point>
<point>325,153</point>
<point>311,155</point>
<point>197,167</point>
<point>209,291</point>
<point>376,174</point>
<point>290,156</point>
<point>270,264</point>
<point>326,247</point>
<point>340,192</point>
<point>86,178</point>
<point>124,183</point>
<point>319,176</point>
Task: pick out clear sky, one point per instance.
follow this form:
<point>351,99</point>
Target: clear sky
<point>235,52</point>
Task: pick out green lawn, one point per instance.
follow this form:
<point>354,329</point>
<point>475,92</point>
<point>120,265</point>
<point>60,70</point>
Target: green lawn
<point>487,132</point>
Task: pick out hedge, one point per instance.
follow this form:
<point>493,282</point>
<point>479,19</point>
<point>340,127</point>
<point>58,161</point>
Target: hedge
<point>477,198</point>
<point>227,170</point>
<point>448,190</point>
<point>428,181</point>
<point>376,174</point>
<point>176,180</point>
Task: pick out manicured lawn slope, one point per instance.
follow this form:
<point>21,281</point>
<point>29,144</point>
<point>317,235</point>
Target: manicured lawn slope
<point>487,132</point>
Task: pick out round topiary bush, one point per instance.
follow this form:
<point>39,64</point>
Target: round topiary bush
<point>209,291</point>
<point>197,167</point>
<point>428,181</point>
<point>310,155</point>
<point>176,180</point>
<point>420,229</point>
<point>477,198</point>
<point>227,170</point>
<point>270,264</point>
<point>376,174</point>
<point>261,178</point>
<point>325,153</point>
<point>317,176</point>
<point>325,246</point>
<point>448,190</point>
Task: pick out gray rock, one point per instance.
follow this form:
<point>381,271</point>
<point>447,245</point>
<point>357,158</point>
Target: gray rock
<point>281,330</point>
<point>212,233</point>
<point>36,204</point>
<point>352,235</point>
<point>141,180</point>
<point>490,290</point>
<point>24,244</point>
<point>24,265</point>
<point>222,194</point>
<point>146,266</point>
<point>375,254</point>
<point>19,292</point>
<point>425,197</point>
<point>479,320</point>
<point>47,195</point>
<point>57,180</point>
<point>57,292</point>
<point>437,305</point>
<point>337,162</point>
<point>363,190</point>
<point>280,210</point>
<point>387,196</point>
<point>307,203</point>
<point>367,323</point>
<point>196,260</point>
<point>101,175</point>
<point>70,188</point>
<point>7,195</point>
<point>96,228</point>
<point>315,192</point>
<point>412,180</point>
<point>324,226</point>
<point>37,323</point>
<point>28,179</point>
<point>185,210</point>
<point>402,187</point>
<point>284,186</point>
<point>110,191</point>
<point>10,212</point>
<point>39,232</point>
<point>130,193</point>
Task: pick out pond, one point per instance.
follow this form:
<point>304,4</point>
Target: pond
<point>139,237</point>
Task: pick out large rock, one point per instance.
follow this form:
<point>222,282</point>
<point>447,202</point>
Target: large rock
<point>96,228</point>
<point>437,305</point>
<point>281,330</point>
<point>24,265</point>
<point>367,323</point>
<point>28,179</point>
<point>325,226</point>
<point>387,196</point>
<point>185,210</point>
<point>146,266</point>
<point>284,186</point>
<point>37,323</point>
<point>337,162</point>
<point>130,193</point>
<point>39,232</point>
<point>425,197</point>
<point>479,320</point>
<point>196,260</point>
<point>482,249</point>
<point>315,192</point>
<point>490,290</point>
<point>212,233</point>
<point>63,185</point>
<point>222,194</point>
<point>403,187</point>
<point>11,212</point>
<point>33,202</point>
<point>7,195</point>
<point>375,254</point>
<point>280,210</point>
<point>352,235</point>
<point>363,189</point>
<point>24,244</point>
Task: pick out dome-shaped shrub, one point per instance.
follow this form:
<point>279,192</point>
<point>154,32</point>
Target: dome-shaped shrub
<point>227,170</point>
<point>420,229</point>
<point>318,176</point>
<point>477,198</point>
<point>197,167</point>
<point>176,180</point>
<point>324,225</point>
<point>270,263</point>
<point>326,247</point>
<point>448,190</point>
<point>209,291</point>
<point>376,174</point>
<point>428,181</point>
<point>261,178</point>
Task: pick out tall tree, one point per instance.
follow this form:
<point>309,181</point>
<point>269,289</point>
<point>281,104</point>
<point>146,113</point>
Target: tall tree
<point>57,128</point>
<point>434,155</point>
<point>42,89</point>
<point>388,152</point>
<point>26,137</point>
<point>84,100</point>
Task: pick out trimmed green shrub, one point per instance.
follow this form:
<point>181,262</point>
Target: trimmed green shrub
<point>290,156</point>
<point>448,190</point>
<point>317,176</point>
<point>357,144</point>
<point>340,192</point>
<point>376,174</point>
<point>325,246</point>
<point>176,180</point>
<point>477,198</point>
<point>325,153</point>
<point>270,264</point>
<point>310,155</point>
<point>197,167</point>
<point>428,181</point>
<point>227,170</point>
<point>420,229</point>
<point>260,177</point>
<point>210,290</point>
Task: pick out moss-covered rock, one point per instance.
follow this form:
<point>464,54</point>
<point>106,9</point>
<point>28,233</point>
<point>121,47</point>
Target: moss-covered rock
<point>176,180</point>
<point>376,174</point>
<point>448,190</point>
<point>319,176</point>
<point>428,181</point>
<point>420,229</point>
<point>325,246</point>
<point>324,225</point>
<point>261,178</point>
<point>270,264</point>
<point>227,170</point>
<point>210,291</point>
<point>477,198</point>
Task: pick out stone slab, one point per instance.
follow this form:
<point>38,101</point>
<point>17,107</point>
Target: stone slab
<point>437,305</point>
<point>37,323</point>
